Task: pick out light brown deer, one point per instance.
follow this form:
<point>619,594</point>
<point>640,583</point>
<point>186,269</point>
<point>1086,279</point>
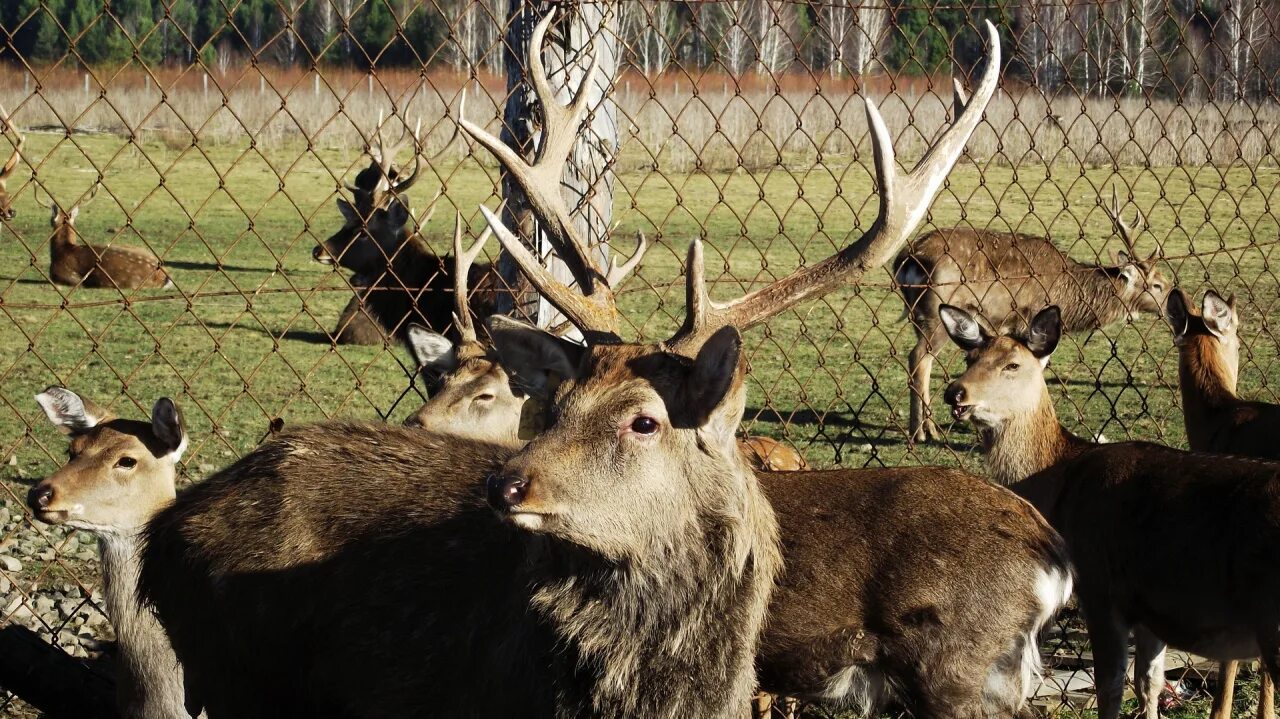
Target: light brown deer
<point>1003,277</point>
<point>1134,515</point>
<point>83,265</point>
<point>7,212</point>
<point>119,474</point>
<point>1218,420</point>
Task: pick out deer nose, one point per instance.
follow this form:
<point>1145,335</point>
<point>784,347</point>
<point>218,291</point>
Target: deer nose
<point>320,254</point>
<point>413,422</point>
<point>507,490</point>
<point>955,394</point>
<point>41,497</point>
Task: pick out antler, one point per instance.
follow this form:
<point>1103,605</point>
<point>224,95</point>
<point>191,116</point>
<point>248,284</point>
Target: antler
<point>540,181</point>
<point>19,140</point>
<point>904,200</point>
<point>1128,232</point>
<point>619,272</point>
<point>461,269</point>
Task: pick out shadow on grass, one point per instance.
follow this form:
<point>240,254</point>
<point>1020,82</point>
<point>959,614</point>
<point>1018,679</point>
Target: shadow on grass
<point>855,430</point>
<point>313,337</point>
<point>211,267</point>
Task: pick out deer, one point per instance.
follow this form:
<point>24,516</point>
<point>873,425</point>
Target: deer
<point>621,562</point>
<point>119,474</point>
<point>1218,420</point>
<point>1003,276</point>
<point>83,265</point>
<point>471,393</point>
<point>1109,501</point>
<point>7,211</point>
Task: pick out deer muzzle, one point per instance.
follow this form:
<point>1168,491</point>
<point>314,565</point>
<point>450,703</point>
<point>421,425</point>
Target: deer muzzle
<point>955,397</point>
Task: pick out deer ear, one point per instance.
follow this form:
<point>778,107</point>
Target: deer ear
<point>398,214</point>
<point>1176,312</point>
<point>166,425</point>
<point>1219,314</point>
<point>714,381</point>
<point>963,329</point>
<point>434,352</point>
<point>1122,258</point>
<point>68,411</point>
<point>349,214</point>
<point>74,213</point>
<point>1044,332</point>
<point>535,359</point>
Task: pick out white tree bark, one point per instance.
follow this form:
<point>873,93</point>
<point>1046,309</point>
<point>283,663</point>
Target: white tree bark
<point>773,38</point>
<point>836,18</point>
<point>869,22</point>
<point>588,180</point>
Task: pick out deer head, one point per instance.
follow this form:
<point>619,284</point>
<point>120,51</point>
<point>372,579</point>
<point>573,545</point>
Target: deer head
<point>119,472</point>
<point>1005,374</point>
<point>63,221</point>
<point>6,200</point>
<point>1212,332</point>
<point>1140,284</point>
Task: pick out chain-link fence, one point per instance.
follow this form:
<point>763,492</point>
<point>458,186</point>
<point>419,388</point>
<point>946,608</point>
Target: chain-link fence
<point>220,134</point>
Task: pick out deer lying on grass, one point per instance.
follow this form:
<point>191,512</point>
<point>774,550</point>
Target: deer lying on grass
<point>1002,276</point>
<point>1133,515</point>
<point>83,265</point>
<point>471,394</point>
<point>1218,421</point>
<point>120,473</point>
<point>6,200</point>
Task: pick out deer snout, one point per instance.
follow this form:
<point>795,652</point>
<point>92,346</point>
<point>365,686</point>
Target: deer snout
<point>321,255</point>
<point>8,213</point>
<point>40,497</point>
<point>507,490</point>
<point>957,397</point>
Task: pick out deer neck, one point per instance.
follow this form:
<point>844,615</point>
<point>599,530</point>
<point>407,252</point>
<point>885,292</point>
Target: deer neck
<point>64,237</point>
<point>1208,384</point>
<point>1026,444</point>
<point>1093,299</point>
<point>714,584</point>
<point>149,677</point>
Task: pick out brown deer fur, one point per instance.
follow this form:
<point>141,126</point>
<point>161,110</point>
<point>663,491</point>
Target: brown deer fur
<point>1134,516</point>
<point>1002,277</point>
<point>75,264</point>
<point>120,473</point>
<point>6,172</point>
<point>1218,420</point>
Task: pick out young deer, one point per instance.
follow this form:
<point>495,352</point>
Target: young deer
<point>119,474</point>
<point>6,200</point>
<point>74,264</point>
<point>1002,276</point>
<point>1109,501</point>
<point>1218,420</point>
<point>471,394</point>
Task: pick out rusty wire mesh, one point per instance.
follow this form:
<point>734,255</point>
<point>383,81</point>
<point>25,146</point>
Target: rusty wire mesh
<point>221,135</point>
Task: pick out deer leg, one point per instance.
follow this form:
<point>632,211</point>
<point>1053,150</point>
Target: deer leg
<point>1148,671</point>
<point>1226,690</point>
<point>1269,642</point>
<point>921,426</point>
<point>1266,696</point>
<point>1108,637</point>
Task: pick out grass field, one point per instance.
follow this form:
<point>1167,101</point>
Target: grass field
<point>242,339</point>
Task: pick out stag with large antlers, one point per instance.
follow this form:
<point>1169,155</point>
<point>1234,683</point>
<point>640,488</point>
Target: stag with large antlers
<point>1002,276</point>
<point>624,564</point>
<point>82,265</point>
<point>6,200</point>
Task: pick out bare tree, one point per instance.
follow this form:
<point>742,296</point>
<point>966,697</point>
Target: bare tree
<point>836,21</point>
<point>647,27</point>
<point>1043,40</point>
<point>773,23</point>
<point>725,24</point>
<point>869,23</point>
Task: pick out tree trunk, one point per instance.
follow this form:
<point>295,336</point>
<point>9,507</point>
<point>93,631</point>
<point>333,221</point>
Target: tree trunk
<point>588,180</point>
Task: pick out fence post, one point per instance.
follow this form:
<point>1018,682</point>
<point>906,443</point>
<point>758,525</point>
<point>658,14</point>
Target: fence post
<point>589,178</point>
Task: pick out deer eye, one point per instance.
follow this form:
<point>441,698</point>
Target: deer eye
<point>486,397</point>
<point>126,463</point>
<point>1012,367</point>
<point>644,424</point>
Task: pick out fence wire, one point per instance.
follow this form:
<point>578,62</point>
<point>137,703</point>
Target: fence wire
<point>222,135</point>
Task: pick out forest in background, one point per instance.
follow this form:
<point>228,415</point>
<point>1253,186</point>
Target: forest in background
<point>1220,49</point>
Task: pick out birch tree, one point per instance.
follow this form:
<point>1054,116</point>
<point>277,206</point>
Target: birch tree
<point>773,23</point>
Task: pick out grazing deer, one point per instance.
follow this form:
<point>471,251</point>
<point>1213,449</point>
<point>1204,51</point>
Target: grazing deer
<point>1002,276</point>
<point>1112,501</point>
<point>6,200</point>
<point>1218,421</point>
<point>84,265</point>
<point>119,474</point>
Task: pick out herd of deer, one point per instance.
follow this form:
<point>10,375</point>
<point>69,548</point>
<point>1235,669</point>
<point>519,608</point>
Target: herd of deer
<point>570,531</point>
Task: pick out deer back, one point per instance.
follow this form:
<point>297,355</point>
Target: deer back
<point>72,263</point>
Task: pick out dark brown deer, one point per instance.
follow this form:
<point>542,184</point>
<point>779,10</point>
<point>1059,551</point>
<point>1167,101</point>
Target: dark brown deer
<point>877,599</point>
<point>119,474</point>
<point>1218,420</point>
<point>82,265</point>
<point>6,200</point>
<point>1003,277</point>
<point>1134,515</point>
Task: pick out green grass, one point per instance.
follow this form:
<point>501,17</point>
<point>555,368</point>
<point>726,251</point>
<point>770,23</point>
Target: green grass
<point>236,228</point>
